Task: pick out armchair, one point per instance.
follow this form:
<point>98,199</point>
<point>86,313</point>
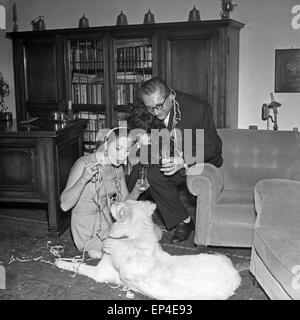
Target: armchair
<point>225,214</point>
<point>275,255</point>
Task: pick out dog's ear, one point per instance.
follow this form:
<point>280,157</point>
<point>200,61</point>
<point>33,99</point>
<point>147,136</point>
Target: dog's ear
<point>122,213</point>
<point>150,207</point>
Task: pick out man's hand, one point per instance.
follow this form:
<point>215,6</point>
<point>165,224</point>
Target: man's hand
<point>172,165</point>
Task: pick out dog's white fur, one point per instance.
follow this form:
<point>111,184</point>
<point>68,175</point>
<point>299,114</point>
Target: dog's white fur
<point>134,258</point>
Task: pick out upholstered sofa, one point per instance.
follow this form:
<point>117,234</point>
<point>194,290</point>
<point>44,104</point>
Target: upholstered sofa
<point>275,255</point>
<point>225,213</point>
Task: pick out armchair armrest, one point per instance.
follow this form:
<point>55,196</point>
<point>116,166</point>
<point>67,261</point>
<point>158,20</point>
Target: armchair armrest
<point>277,203</point>
<point>205,180</point>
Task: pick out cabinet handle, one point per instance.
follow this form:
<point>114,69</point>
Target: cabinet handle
<point>31,154</point>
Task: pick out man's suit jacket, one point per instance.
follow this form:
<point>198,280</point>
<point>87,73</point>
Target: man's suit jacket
<point>197,114</point>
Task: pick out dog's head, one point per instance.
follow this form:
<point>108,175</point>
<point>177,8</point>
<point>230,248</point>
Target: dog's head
<point>133,218</point>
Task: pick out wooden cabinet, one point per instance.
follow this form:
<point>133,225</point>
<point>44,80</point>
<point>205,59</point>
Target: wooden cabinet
<point>35,162</point>
<point>100,68</point>
<point>39,75</point>
<point>204,61</point>
<point>18,166</point>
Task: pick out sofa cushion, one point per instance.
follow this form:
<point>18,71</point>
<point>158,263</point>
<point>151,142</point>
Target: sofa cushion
<point>252,155</point>
<point>234,207</point>
<point>280,251</point>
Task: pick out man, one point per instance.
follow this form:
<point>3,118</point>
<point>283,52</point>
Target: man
<point>181,111</point>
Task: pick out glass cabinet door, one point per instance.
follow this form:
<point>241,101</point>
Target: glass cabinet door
<point>133,65</point>
<point>87,80</point>
<point>87,72</point>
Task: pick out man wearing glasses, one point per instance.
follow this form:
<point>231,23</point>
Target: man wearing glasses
<point>181,111</point>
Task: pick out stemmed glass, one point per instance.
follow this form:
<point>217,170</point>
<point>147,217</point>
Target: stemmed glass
<point>143,177</point>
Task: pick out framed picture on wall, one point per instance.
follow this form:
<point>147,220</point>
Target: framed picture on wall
<point>287,70</point>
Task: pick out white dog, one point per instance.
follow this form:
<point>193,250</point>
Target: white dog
<point>134,258</point>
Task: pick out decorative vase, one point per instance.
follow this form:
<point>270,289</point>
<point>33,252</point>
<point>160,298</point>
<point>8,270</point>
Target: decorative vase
<point>227,7</point>
<point>122,19</point>
<point>149,17</point>
<point>38,24</point>
<point>194,15</point>
<point>83,22</point>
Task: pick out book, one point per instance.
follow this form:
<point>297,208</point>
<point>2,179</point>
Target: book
<point>99,94</point>
<point>131,93</point>
<point>83,95</point>
<point>121,94</point>
<point>149,56</point>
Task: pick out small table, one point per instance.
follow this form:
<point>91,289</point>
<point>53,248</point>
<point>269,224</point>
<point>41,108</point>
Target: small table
<point>35,161</point>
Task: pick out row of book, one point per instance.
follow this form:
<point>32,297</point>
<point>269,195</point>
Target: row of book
<point>127,87</point>
<point>88,93</point>
<point>84,55</point>
<point>79,77</point>
<point>91,66</point>
<point>133,77</point>
<point>125,93</point>
<point>86,89</point>
<point>90,55</point>
<point>96,121</point>
<point>130,58</point>
<point>120,118</point>
<point>87,51</point>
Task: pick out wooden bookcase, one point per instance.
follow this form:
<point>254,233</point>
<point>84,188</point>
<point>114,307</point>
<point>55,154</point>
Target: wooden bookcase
<point>100,69</point>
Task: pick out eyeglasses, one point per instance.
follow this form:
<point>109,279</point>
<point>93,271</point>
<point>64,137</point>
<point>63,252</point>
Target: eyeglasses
<point>158,107</point>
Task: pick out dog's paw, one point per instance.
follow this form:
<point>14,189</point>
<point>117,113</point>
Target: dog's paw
<point>158,232</point>
<point>66,265</point>
<point>60,264</point>
<point>94,254</point>
<point>108,245</point>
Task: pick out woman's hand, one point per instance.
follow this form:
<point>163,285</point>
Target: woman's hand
<point>141,186</point>
<point>89,171</point>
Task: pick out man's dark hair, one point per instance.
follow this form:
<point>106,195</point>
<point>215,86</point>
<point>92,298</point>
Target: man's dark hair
<point>155,84</point>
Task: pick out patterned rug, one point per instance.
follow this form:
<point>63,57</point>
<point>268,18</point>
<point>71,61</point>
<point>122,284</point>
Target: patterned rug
<point>27,255</point>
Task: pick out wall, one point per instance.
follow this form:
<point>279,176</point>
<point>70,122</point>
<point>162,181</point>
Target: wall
<point>268,26</point>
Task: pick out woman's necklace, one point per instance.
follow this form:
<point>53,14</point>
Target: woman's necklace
<point>99,184</point>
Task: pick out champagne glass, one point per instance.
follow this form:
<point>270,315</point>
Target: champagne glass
<point>165,157</point>
<point>143,177</point>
